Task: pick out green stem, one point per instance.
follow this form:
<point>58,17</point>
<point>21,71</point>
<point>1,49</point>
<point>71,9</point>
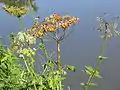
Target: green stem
<point>45,50</point>
<point>21,24</point>
<point>31,10</point>
<point>27,66</point>
<point>60,84</point>
<point>98,64</point>
<point>30,71</point>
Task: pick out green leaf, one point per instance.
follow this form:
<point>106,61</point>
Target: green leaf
<point>82,84</point>
<point>99,19</point>
<point>101,57</point>
<point>91,71</point>
<point>92,84</point>
<point>1,84</point>
<point>102,36</point>
<point>70,67</point>
<point>44,66</point>
<point>88,69</point>
<point>41,45</point>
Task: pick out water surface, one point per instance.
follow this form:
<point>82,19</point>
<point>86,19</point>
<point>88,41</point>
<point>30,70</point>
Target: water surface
<point>83,45</point>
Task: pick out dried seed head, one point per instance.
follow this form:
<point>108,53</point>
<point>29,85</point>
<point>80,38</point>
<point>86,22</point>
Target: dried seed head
<point>15,10</point>
<point>56,16</point>
<point>64,25</point>
<point>40,33</point>
<point>51,28</point>
<point>52,23</point>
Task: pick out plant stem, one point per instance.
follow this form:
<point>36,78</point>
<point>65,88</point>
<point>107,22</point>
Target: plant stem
<point>21,24</point>
<point>60,84</point>
<point>58,53</point>
<point>98,64</point>
<point>31,73</point>
<point>45,50</point>
<point>31,10</point>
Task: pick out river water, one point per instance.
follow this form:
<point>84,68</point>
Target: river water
<point>84,44</point>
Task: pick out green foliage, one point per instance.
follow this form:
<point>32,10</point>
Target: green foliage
<point>89,70</point>
<point>11,73</point>
<point>15,76</point>
<point>107,29</point>
<point>50,77</point>
<point>70,67</point>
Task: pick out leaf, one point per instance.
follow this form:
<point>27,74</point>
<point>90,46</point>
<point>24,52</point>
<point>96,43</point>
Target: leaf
<point>51,63</point>
<point>70,67</point>
<point>104,57</point>
<point>1,84</point>
<point>92,84</point>
<point>44,66</point>
<point>117,33</point>
<point>101,57</point>
<point>102,36</point>
<point>99,18</point>
<point>97,74</point>
<point>82,84</point>
<point>91,71</point>
<point>64,73</point>
<point>41,45</point>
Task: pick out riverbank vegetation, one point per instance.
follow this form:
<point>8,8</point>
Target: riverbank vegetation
<point>27,44</point>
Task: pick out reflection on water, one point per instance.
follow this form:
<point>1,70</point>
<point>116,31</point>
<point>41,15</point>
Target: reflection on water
<point>84,44</point>
<point>20,3</point>
<point>17,2</point>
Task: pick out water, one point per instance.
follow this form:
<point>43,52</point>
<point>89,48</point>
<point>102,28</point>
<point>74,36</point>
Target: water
<point>84,44</point>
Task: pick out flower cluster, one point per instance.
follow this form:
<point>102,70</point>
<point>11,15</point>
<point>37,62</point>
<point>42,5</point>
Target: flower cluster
<point>51,24</point>
<point>105,27</point>
<point>26,52</point>
<point>20,39</point>
<point>15,10</point>
<point>20,44</point>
